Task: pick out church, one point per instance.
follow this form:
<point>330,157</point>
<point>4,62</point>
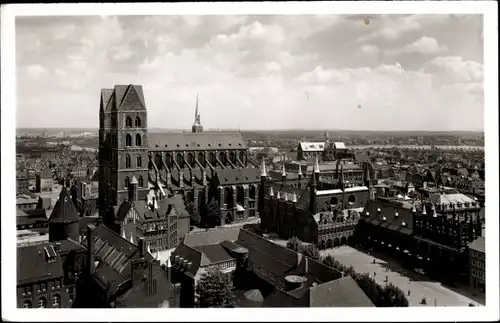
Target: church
<point>135,166</point>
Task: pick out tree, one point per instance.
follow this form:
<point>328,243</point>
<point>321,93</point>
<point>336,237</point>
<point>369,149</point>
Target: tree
<point>294,244</point>
<point>310,251</point>
<point>213,213</point>
<point>331,262</point>
<point>194,215</point>
<point>393,296</point>
<point>369,287</point>
<point>215,290</point>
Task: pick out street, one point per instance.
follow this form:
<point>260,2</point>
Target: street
<point>419,286</point>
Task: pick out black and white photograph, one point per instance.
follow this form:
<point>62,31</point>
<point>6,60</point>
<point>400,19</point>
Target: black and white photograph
<point>171,157</point>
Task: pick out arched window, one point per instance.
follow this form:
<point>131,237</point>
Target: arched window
<point>180,160</point>
<point>137,122</point>
<point>56,301</point>
<point>27,304</point>
<point>128,122</point>
<point>201,158</point>
<point>138,140</point>
<point>127,181</point>
<point>138,161</point>
<point>128,140</point>
<point>42,303</point>
<point>127,161</point>
<point>141,181</point>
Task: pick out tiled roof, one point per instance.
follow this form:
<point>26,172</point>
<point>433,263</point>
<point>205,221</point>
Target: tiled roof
<point>238,176</point>
<point>195,141</point>
<point>211,237</point>
<point>478,244</point>
<point>215,253</point>
<point>312,146</point>
<point>388,211</point>
<point>64,211</point>
<point>33,264</point>
<point>451,198</point>
<point>190,254</point>
<point>343,292</point>
<point>114,256</point>
<point>106,96</point>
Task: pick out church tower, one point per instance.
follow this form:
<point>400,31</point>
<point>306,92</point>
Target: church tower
<point>197,127</point>
<point>123,145</point>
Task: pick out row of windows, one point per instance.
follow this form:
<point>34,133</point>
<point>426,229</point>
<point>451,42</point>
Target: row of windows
<point>140,182</point>
<point>42,287</point>
<point>137,123</point>
<point>42,302</point>
<point>128,140</point>
<point>478,264</point>
<point>477,254</point>
<point>128,161</point>
<point>479,274</point>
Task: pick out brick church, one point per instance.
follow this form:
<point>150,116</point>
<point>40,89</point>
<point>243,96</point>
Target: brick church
<point>143,175</point>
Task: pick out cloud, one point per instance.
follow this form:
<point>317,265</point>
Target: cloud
<point>253,70</point>
<point>424,45</point>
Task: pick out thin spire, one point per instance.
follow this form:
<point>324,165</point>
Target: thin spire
<point>300,169</point>
<point>294,198</point>
<point>316,165</point>
<point>123,234</point>
<point>131,239</point>
<point>263,172</point>
<point>283,172</point>
<point>271,192</point>
<point>149,250</point>
<point>196,114</point>
<point>157,255</point>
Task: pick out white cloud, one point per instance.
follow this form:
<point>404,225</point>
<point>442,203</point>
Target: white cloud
<point>453,69</point>
<point>35,71</point>
<point>370,50</point>
<point>273,67</point>
<point>423,45</point>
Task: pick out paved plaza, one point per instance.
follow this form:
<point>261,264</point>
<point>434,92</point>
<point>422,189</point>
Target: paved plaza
<point>420,286</point>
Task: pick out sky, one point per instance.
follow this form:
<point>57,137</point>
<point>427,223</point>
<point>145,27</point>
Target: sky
<point>354,72</point>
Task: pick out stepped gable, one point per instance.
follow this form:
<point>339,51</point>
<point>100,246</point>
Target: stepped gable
<point>64,211</point>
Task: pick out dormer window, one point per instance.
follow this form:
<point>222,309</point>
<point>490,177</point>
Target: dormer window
<point>396,214</point>
<point>384,218</point>
<point>378,210</point>
<point>50,253</point>
<point>403,224</point>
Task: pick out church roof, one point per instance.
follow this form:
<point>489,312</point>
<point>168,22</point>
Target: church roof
<point>312,146</point>
<point>195,141</point>
<point>238,176</point>
<point>64,211</point>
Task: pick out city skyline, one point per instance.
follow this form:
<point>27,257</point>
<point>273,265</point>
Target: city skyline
<point>374,72</point>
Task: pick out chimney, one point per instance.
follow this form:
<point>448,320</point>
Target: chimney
<point>299,258</point>
<point>90,248</point>
<point>142,247</point>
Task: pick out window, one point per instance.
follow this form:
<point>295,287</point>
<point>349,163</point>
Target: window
<point>27,290</point>
<point>56,301</point>
<point>137,122</point>
<point>139,161</point>
<point>138,140</point>
<point>127,181</point>
<point>127,161</point>
<point>43,286</point>
<point>58,283</point>
<point>27,304</point>
<point>42,303</point>
<point>128,140</point>
<point>141,181</point>
<point>128,122</point>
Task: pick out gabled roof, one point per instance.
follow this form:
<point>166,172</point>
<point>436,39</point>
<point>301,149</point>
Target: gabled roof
<point>238,176</point>
<point>129,97</point>
<point>339,145</point>
<point>388,211</point>
<point>64,211</point>
<point>211,237</point>
<point>105,97</point>
<point>33,264</point>
<point>195,141</point>
<point>342,292</point>
<point>478,245</point>
<point>312,146</point>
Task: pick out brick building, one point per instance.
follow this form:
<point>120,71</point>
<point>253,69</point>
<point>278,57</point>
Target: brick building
<point>477,265</point>
<point>183,163</point>
<point>44,181</point>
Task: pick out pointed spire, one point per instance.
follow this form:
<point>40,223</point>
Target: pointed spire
<point>283,171</point>
<point>294,198</point>
<point>157,257</point>
<point>123,234</point>
<point>300,169</point>
<point>316,165</point>
<point>271,193</point>
<point>285,196</point>
<point>424,212</point>
<point>263,172</point>
<point>148,249</point>
<point>196,115</point>
<point>169,264</point>
<point>131,239</point>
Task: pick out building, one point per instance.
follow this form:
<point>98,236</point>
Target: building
<point>263,273</point>
<point>121,274</point>
<point>324,150</point>
<point>64,220</point>
<point>477,265</point>
<point>22,183</point>
<point>326,217</point>
<point>431,235</point>
<point>161,223</point>
<point>44,181</point>
<point>26,202</point>
<point>182,163</point>
<point>78,172</point>
<point>47,274</point>
<point>35,220</point>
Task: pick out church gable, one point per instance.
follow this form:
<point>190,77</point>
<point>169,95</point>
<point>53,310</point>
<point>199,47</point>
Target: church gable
<point>133,99</point>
